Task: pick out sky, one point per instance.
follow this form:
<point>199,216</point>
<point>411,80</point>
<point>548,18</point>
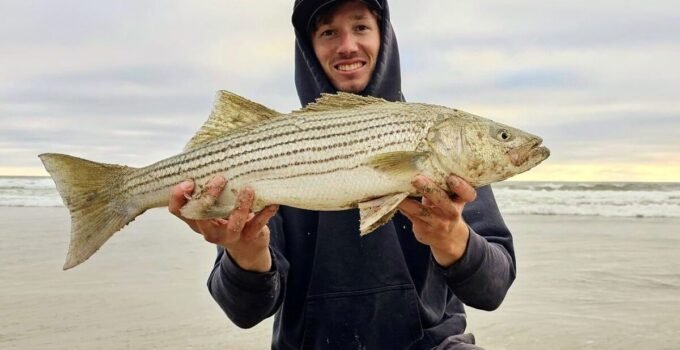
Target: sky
<point>129,82</point>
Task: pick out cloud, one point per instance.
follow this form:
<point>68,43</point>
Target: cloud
<point>531,23</point>
<point>130,82</point>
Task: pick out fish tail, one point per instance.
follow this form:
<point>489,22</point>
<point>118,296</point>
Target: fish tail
<point>95,195</point>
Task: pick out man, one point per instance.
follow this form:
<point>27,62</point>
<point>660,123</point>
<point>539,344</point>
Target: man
<point>402,286</point>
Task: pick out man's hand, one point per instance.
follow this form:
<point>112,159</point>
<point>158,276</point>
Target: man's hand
<point>243,234</point>
<point>437,219</point>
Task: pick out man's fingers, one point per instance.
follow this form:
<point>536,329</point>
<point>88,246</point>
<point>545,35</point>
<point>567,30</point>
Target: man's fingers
<point>434,195</point>
<point>219,221</point>
<point>215,186</point>
<point>413,210</point>
<point>464,192</point>
<point>178,196</point>
<point>409,206</point>
<point>258,222</point>
<point>207,198</point>
<point>239,216</point>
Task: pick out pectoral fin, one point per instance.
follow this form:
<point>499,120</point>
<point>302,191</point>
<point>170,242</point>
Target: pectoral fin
<point>375,212</point>
<point>397,164</point>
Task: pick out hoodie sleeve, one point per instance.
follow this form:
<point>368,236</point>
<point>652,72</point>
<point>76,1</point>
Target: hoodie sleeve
<point>483,275</point>
<point>249,297</point>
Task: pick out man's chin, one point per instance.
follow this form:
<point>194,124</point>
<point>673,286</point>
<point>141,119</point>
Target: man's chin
<point>352,87</point>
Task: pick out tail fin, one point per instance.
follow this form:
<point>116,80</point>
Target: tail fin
<point>93,193</point>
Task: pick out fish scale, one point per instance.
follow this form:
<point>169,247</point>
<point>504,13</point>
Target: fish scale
<point>343,151</point>
<point>287,152</point>
<point>233,145</point>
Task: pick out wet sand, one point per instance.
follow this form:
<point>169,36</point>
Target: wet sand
<point>583,283</point>
<point>589,283</point>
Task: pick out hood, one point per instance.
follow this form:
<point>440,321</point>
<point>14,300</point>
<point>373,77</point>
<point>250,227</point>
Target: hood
<point>310,79</point>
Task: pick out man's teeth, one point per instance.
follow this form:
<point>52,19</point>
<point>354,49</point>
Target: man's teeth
<point>346,67</point>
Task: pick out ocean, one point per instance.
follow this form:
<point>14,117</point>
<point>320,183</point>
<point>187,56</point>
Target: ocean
<point>607,199</point>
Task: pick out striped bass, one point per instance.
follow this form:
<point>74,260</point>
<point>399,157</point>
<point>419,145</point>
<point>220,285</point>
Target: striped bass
<point>342,151</point>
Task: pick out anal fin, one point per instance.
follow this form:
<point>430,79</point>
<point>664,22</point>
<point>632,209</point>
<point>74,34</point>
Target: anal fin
<point>376,212</point>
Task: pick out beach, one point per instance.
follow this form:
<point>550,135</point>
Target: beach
<point>582,283</point>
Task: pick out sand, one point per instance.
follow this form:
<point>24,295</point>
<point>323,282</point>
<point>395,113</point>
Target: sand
<point>583,283</point>
<point>589,283</point>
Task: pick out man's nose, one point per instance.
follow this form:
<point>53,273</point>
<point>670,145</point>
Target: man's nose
<point>348,44</point>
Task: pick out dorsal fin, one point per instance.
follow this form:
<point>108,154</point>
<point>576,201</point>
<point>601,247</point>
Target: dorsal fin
<point>230,112</point>
<point>341,100</point>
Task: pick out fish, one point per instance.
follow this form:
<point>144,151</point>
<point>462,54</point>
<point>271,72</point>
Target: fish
<point>339,152</point>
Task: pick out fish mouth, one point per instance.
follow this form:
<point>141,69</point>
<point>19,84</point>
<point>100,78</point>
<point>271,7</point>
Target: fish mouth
<point>529,154</point>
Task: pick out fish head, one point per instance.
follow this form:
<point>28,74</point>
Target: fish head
<point>482,151</point>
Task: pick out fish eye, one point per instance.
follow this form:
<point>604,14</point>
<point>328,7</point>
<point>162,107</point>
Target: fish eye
<point>504,135</point>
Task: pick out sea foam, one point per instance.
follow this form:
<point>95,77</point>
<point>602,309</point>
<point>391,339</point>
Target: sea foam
<point>612,199</point>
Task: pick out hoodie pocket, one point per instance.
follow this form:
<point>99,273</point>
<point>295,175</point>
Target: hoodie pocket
<point>381,318</point>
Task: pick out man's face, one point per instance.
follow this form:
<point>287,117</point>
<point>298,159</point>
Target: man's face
<point>347,46</point>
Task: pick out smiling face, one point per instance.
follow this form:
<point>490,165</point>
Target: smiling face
<point>346,44</point>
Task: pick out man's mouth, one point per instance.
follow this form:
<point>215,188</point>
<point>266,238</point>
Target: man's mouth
<point>348,67</point>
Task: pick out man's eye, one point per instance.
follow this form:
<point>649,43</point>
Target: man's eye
<point>326,33</point>
<point>361,28</point>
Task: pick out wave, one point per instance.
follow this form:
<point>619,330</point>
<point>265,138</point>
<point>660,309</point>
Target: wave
<point>524,200</point>
<point>25,183</point>
<point>590,186</point>
<point>29,205</point>
<point>624,199</point>
<point>630,211</point>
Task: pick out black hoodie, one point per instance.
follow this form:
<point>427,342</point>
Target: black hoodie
<point>331,288</point>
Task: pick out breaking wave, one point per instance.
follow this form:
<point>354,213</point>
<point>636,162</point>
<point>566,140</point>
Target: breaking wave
<point>625,199</point>
<point>612,199</point>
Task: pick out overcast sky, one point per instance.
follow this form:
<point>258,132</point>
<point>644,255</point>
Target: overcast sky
<point>129,82</point>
